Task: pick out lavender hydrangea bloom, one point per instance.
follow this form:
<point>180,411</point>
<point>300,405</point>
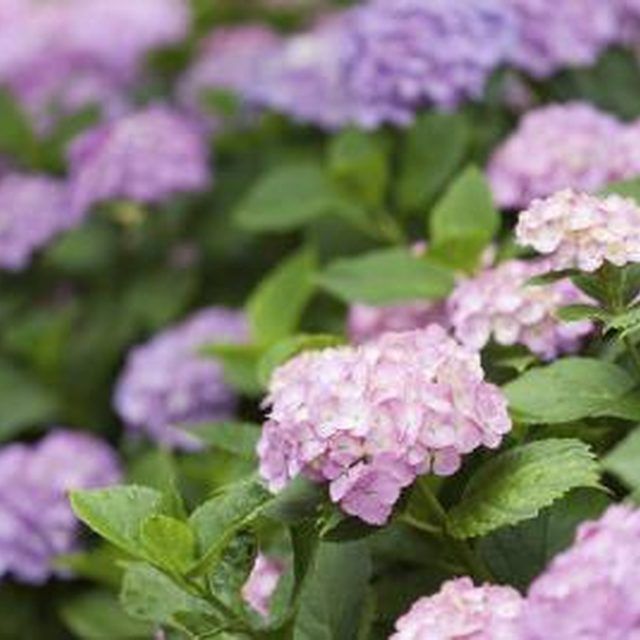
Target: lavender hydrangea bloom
<point>262,583</point>
<point>592,590</point>
<point>168,386</point>
<point>147,156</point>
<point>34,209</point>
<point>461,610</point>
<point>36,521</point>
<point>230,59</point>
<point>556,147</point>
<point>555,35</point>
<point>368,420</point>
<point>500,303</point>
<point>407,54</point>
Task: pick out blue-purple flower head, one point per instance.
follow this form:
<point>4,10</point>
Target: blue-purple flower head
<point>408,54</point>
<point>34,209</point>
<point>36,521</point>
<point>168,386</point>
<point>569,33</point>
<point>147,156</point>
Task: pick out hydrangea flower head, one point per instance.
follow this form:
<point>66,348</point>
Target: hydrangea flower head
<point>556,35</point>
<point>34,209</point>
<point>147,156</point>
<point>369,419</point>
<point>262,582</point>
<point>408,54</point>
<point>500,303</point>
<point>555,147</point>
<point>168,386</point>
<point>461,610</point>
<point>36,521</point>
<point>592,590</point>
<point>580,231</point>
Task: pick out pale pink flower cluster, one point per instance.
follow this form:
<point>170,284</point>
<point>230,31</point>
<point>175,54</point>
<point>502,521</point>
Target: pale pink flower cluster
<point>462,611</point>
<point>370,419</point>
<point>500,304</point>
<point>262,583</point>
<point>577,230</point>
<point>591,591</point>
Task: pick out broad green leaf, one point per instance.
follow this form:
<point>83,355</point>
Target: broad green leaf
<point>100,564</point>
<point>626,188</point>
<point>334,592</point>
<point>434,148</point>
<point>239,364</point>
<point>237,438</point>
<point>569,389</point>
<point>518,554</point>
<point>24,402</point>
<point>515,485</point>
<point>358,163</point>
<point>276,306</point>
<point>97,615</point>
<point>625,323</point>
<point>117,513</point>
<point>465,216</point>
<point>386,276</point>
<point>169,543</point>
<point>624,460</point>
<point>290,347</point>
<point>288,197</point>
<point>577,312</point>
<point>17,137</point>
<point>299,500</point>
<point>216,521</point>
<point>148,594</point>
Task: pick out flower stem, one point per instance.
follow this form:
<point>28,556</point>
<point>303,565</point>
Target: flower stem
<point>633,351</point>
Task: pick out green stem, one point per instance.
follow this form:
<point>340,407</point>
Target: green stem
<point>633,351</point>
<point>461,549</point>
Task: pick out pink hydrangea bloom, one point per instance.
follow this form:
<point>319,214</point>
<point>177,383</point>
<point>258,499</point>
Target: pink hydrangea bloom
<point>36,521</point>
<point>146,156</point>
<point>577,230</point>
<point>500,304</point>
<point>556,35</point>
<point>370,419</point>
<point>366,322</point>
<point>555,147</point>
<point>262,582</point>
<point>461,611</point>
<point>592,590</point>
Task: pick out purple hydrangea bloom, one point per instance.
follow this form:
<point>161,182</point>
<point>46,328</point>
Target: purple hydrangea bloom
<point>556,147</point>
<point>461,611</point>
<point>36,521</point>
<point>555,35</point>
<point>167,386</point>
<point>592,590</point>
<point>34,209</point>
<point>500,304</point>
<point>369,419</point>
<point>147,156</point>
<point>407,54</point>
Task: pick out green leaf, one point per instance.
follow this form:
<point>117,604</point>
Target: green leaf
<point>299,500</point>
<point>117,513</point>
<point>625,188</point>
<point>516,484</point>
<point>216,521</point>
<point>385,277</point>
<point>625,323</point>
<point>148,594</point>
<point>569,389</point>
<point>433,150</point>
<point>17,137</point>
<point>624,460</point>
<point>358,163</point>
<point>97,615</point>
<point>239,364</point>
<point>287,198</point>
<point>334,593</point>
<point>237,438</point>
<point>577,312</point>
<point>169,543</point>
<point>24,402</point>
<point>290,347</point>
<point>516,555</point>
<point>276,306</point>
<point>466,217</point>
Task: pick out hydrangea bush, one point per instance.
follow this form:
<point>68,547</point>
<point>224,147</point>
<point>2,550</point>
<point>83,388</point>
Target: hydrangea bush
<point>338,303</point>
